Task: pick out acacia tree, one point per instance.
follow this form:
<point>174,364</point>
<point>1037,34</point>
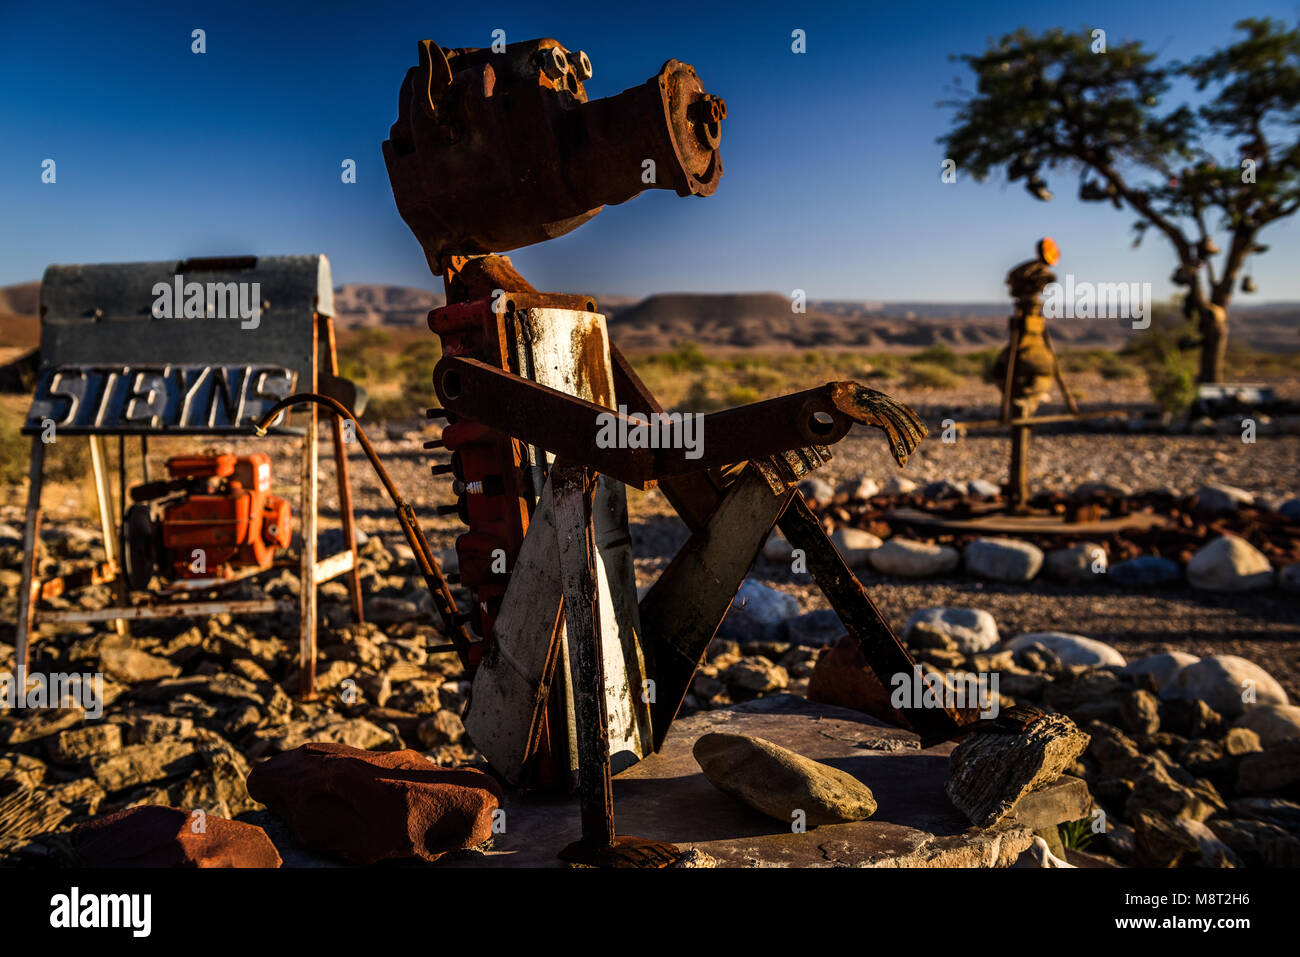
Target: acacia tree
<point>1228,164</point>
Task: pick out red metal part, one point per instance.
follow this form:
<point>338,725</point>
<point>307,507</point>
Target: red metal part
<point>236,525</point>
<point>487,465</point>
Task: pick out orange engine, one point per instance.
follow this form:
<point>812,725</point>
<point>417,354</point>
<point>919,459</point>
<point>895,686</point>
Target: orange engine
<point>215,517</point>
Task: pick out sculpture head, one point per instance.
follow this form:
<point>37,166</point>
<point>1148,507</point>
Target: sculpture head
<point>494,150</point>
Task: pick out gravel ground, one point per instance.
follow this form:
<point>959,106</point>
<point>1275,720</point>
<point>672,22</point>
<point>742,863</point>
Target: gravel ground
<point>1264,627</point>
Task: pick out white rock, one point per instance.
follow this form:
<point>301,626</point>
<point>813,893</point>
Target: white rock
<point>1044,856</point>
<point>817,491</point>
<point>855,545</point>
<point>1081,564</point>
<point>1224,682</point>
<point>1229,563</point>
<point>1070,649</point>
<point>1288,579</point>
<point>983,489</point>
<point>778,549</point>
<point>1003,559</point>
<point>860,489</point>
<point>911,559</point>
<point>1162,666</point>
<point>973,629</point>
<point>1274,723</point>
<point>1214,497</point>
<point>898,485</point>
<point>757,613</point>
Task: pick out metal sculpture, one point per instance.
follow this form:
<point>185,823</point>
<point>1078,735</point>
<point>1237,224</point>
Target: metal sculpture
<point>575,678</point>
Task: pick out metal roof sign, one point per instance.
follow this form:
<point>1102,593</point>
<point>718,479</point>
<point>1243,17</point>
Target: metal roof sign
<point>197,346</point>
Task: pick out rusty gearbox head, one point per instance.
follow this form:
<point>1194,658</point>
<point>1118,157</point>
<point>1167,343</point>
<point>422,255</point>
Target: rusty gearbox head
<point>492,150</point>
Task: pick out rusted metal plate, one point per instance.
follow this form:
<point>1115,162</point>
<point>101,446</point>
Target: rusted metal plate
<point>568,350</point>
<point>194,609</point>
<point>640,448</point>
<point>196,346</point>
<point>685,606</point>
<point>880,647</point>
<point>512,682</point>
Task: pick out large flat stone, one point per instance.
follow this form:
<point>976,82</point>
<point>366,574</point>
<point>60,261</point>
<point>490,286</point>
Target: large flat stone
<point>666,797</point>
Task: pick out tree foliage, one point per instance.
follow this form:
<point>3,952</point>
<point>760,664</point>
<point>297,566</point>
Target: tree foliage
<point>1228,163</point>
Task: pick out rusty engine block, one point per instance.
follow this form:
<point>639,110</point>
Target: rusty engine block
<point>213,519</point>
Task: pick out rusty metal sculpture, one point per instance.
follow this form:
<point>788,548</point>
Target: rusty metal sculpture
<point>573,676</point>
<point>1028,365</point>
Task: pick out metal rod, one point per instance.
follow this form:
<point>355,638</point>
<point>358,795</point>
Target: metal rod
<point>1039,420</point>
<point>427,564</point>
<point>107,524</point>
<point>572,487</point>
<point>28,584</point>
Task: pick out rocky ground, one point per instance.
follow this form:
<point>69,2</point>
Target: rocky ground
<point>191,707</point>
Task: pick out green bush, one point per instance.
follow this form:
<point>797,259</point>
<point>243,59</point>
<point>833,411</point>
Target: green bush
<point>927,375</point>
<point>14,450</point>
<point>700,398</point>
<point>740,395</point>
<point>1166,352</point>
<point>937,355</point>
<point>687,357</point>
<point>1076,835</point>
<point>67,459</point>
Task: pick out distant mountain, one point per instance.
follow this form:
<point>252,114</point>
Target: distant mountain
<point>766,322</point>
<point>359,304</point>
<point>21,300</point>
<point>749,321</point>
<point>20,329</point>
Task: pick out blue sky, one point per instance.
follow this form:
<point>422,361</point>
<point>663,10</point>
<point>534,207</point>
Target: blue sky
<point>832,166</point>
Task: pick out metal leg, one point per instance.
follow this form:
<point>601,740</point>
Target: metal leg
<point>1059,376</point>
<point>1018,480</point>
<point>573,487</point>
<point>345,510</point>
<point>307,574</point>
<point>683,609</point>
<point>862,619</point>
<point>28,586</point>
<point>108,523</point>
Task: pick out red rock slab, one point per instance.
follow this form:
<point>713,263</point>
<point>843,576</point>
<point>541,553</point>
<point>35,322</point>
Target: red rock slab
<point>842,677</point>
<point>156,836</point>
<point>368,806</point>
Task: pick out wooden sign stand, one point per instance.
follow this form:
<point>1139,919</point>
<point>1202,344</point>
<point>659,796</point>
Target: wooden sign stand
<point>312,572</point>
